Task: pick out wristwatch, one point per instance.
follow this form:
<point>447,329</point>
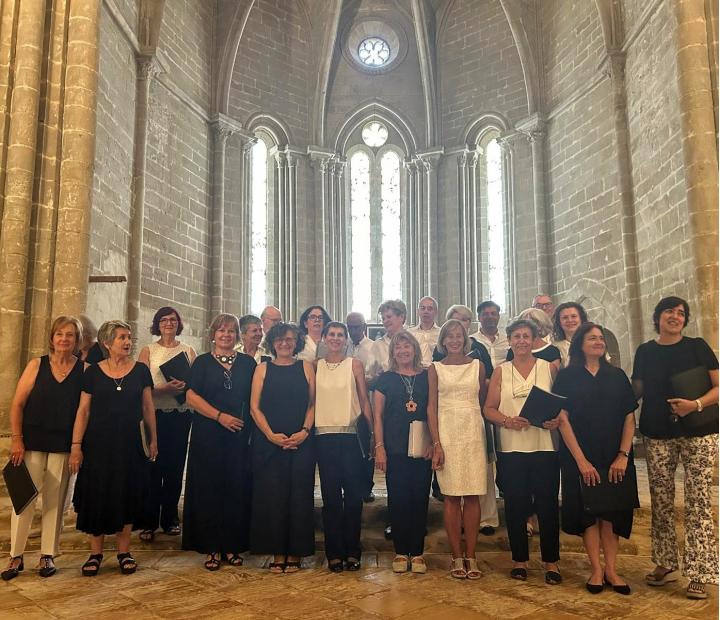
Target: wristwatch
<point>625,454</point>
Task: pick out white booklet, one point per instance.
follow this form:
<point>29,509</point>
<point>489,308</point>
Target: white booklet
<point>418,439</point>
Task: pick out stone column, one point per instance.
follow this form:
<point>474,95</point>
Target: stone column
<point>700,155</point>
<point>22,117</point>
<point>286,241</point>
<point>321,162</point>
<point>429,160</point>
<point>467,210</point>
<point>147,69</point>
<point>341,286</point>
<point>616,65</point>
<point>506,147</point>
<point>534,129</point>
<point>414,247</point>
<point>246,143</point>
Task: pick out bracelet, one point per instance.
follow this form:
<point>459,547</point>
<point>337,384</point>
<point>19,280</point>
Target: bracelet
<point>217,417</point>
<point>699,404</point>
<point>624,453</point>
<point>436,444</point>
<point>306,429</point>
<point>379,445</point>
<point>16,436</point>
<point>76,443</point>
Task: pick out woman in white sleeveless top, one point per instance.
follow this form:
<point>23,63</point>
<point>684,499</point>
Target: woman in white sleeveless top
<point>457,387</point>
<point>340,398</point>
<point>173,425</point>
<point>527,461</point>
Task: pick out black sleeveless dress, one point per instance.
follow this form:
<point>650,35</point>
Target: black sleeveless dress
<point>283,480</point>
<point>114,478</point>
<point>49,413</point>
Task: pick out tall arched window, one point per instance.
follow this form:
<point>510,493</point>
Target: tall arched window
<point>375,231</point>
<point>258,227</point>
<point>497,274</point>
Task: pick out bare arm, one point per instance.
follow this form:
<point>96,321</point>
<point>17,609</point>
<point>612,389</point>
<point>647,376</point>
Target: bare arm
<point>619,465</point>
<point>22,392</point>
<point>438,459</point>
<point>149,417</point>
<point>491,410</point>
<point>362,391</point>
<point>483,382</point>
<point>81,422</point>
<point>379,409</point>
<point>637,386</point>
<point>299,436</point>
<point>587,471</point>
<point>682,406</point>
<point>204,408</point>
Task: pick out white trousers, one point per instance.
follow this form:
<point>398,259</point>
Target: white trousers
<point>50,473</point>
<point>488,502</point>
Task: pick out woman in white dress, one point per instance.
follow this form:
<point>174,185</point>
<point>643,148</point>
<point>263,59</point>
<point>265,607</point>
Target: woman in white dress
<point>456,390</point>
<point>567,318</point>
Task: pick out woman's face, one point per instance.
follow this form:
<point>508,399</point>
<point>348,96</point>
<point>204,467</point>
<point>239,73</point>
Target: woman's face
<point>285,345</point>
<point>335,339</point>
<point>672,321</point>
<point>315,322</point>
<point>64,339</point>
<point>225,337</point>
<point>403,353</point>
<point>569,321</point>
<point>168,324</point>
<point>454,340</point>
<point>392,322</point>
<point>594,344</point>
<point>253,336</point>
<point>121,345</point>
<point>521,341</point>
<point>465,320</point>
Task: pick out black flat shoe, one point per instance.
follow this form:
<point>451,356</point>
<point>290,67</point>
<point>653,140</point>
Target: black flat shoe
<point>594,588</point>
<point>13,571</point>
<point>352,564</point>
<point>336,566</point>
<point>622,589</point>
<point>487,530</point>
<point>519,573</point>
<point>92,566</point>
<point>47,566</point>
<point>553,578</point>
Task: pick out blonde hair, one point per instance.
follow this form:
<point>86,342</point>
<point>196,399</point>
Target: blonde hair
<point>106,333</point>
<point>62,321</point>
<point>224,318</point>
<point>460,309</point>
<point>396,305</point>
<point>542,321</point>
<point>447,326</point>
<point>405,336</point>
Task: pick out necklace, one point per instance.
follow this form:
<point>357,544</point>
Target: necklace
<point>333,365</point>
<point>118,384</point>
<point>225,359</point>
<point>409,384</point>
<point>59,369</point>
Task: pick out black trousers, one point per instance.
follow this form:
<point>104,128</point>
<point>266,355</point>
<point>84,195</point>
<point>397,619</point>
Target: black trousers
<point>166,474</point>
<point>342,483</point>
<point>408,485</point>
<point>522,477</point>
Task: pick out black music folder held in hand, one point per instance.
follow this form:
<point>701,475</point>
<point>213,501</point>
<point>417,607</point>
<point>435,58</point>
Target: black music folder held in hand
<point>691,385</point>
<point>610,496</point>
<point>177,367</point>
<point>20,486</point>
<point>364,436</point>
<point>542,406</point>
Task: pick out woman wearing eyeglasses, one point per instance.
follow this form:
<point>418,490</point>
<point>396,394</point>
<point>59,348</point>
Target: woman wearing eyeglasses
<point>527,463</point>
<point>311,324</point>
<point>173,425</point>
<point>215,517</point>
<point>283,459</point>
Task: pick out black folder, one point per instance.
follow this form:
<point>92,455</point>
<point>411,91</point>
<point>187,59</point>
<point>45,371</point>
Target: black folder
<point>20,486</point>
<point>542,406</point>
<point>177,367</point>
<point>364,435</point>
<point>691,385</point>
<point>610,496</point>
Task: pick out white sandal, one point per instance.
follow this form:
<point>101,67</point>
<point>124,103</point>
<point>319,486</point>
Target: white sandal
<point>457,568</point>
<point>472,570</point>
<point>400,564</point>
<point>417,564</point>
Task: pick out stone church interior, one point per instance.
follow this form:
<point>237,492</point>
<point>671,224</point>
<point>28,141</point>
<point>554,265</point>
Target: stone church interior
<point>223,156</point>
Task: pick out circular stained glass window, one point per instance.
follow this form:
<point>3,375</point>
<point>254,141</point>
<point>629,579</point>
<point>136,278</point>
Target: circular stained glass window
<point>374,134</point>
<point>374,51</point>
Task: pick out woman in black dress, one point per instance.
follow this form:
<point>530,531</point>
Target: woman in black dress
<point>597,431</point>
<point>215,515</point>
<point>283,459</point>
<point>107,448</point>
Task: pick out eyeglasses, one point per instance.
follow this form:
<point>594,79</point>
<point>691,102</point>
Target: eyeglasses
<point>227,383</point>
<point>167,320</point>
<point>285,341</point>
<point>315,317</point>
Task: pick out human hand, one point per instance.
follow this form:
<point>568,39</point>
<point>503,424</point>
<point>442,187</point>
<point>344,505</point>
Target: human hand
<point>429,453</point>
<point>438,459</point>
<point>278,439</point>
<point>380,459</point>
<point>17,450</point>
<point>173,387</point>
<point>230,422</point>
<point>618,468</point>
<point>681,407</point>
<point>76,459</point>
<point>589,474</point>
<point>153,449</point>
<point>551,425</point>
<point>516,423</point>
<point>292,442</point>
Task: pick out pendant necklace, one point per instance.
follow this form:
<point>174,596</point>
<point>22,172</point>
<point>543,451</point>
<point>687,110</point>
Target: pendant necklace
<point>409,383</point>
<point>333,365</point>
<point>225,359</point>
<point>118,384</point>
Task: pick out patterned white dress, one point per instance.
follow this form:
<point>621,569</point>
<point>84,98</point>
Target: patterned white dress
<point>462,430</point>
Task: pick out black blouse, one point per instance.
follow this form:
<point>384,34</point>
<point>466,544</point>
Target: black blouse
<point>396,417</point>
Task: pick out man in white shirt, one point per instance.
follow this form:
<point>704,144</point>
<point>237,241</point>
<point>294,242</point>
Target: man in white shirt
<point>359,345</point>
<point>426,332</point>
<point>488,335</point>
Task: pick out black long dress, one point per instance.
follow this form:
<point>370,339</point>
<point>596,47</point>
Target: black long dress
<point>114,478</point>
<point>597,408</point>
<point>215,513</point>
<point>283,480</point>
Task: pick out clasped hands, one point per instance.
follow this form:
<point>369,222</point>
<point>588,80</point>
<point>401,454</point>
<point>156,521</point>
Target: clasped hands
<point>288,443</point>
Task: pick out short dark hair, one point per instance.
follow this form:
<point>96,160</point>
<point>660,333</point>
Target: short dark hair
<point>519,324</point>
<point>666,303</point>
<point>164,311</point>
<point>337,324</point>
<point>248,320</point>
<point>486,304</point>
<point>577,356</point>
<point>304,317</point>
<point>278,331</point>
<point>558,332</point>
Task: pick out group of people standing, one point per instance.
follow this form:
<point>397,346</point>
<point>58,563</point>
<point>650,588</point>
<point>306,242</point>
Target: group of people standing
<point>271,399</point>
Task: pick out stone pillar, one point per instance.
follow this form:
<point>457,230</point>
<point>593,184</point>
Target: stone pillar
<point>534,129</point>
<point>321,162</point>
<point>701,158</point>
<point>429,208</point>
<point>413,247</point>
<point>286,242</point>
<point>467,214</point>
<point>246,143</point>
<point>25,81</point>
<point>341,295</point>
<point>147,69</point>
<point>506,147</point>
<point>616,64</point>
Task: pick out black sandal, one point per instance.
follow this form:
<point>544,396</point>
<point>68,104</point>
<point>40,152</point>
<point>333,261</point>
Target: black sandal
<point>519,573</point>
<point>352,564</point>
<point>213,562</point>
<point>292,567</point>
<point>47,566</point>
<point>13,571</point>
<point>173,530</point>
<point>127,562</point>
<point>92,566</point>
<point>277,568</point>
<point>147,536</point>
<point>553,578</point>
<point>235,559</point>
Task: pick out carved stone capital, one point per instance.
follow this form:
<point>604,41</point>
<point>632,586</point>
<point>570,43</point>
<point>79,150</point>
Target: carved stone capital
<point>147,67</point>
<point>532,127</point>
<point>320,159</point>
<point>223,127</point>
<point>615,65</point>
<point>430,159</point>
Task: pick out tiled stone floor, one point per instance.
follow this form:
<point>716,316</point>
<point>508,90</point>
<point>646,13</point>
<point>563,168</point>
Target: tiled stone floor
<point>172,584</point>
